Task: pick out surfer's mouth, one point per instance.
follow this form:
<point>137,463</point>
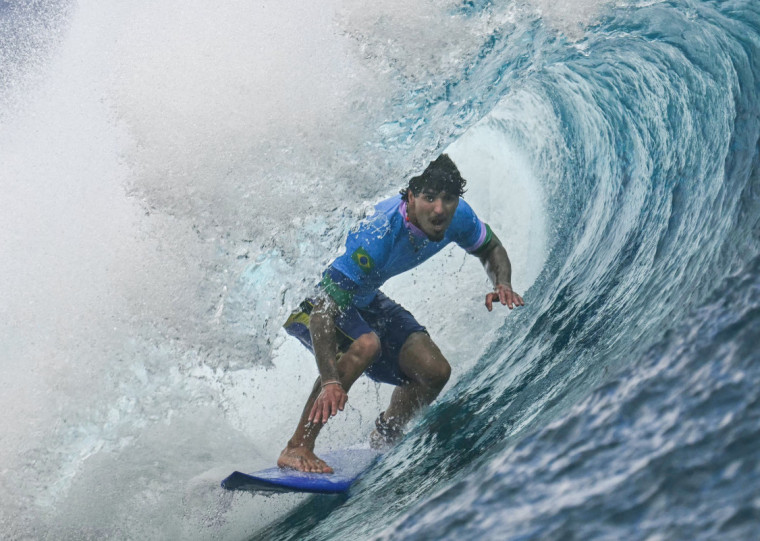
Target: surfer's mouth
<point>437,229</point>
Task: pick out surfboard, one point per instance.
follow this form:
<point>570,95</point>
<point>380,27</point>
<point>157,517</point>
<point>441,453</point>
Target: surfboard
<point>348,466</point>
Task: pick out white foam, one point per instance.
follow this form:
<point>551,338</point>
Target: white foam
<point>157,154</point>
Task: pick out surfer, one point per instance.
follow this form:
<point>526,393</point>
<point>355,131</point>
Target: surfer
<point>353,328</point>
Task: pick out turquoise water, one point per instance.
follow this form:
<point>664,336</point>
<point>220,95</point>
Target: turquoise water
<point>615,145</point>
<point>622,402</point>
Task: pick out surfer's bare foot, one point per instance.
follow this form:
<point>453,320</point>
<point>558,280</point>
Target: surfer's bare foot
<point>302,459</point>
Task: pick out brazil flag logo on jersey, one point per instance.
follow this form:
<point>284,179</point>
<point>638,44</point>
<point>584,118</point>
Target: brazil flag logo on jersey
<point>363,259</point>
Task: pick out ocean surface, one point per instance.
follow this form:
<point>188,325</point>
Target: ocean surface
<point>174,176</point>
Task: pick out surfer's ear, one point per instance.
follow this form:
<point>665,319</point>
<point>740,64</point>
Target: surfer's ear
<point>410,197</point>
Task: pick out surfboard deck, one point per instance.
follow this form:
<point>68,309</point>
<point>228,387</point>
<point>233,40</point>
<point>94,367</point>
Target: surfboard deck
<point>349,464</point>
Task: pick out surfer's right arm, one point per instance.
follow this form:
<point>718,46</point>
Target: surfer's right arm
<point>322,328</point>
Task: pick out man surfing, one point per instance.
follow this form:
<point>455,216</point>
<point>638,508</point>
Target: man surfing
<point>353,328</point>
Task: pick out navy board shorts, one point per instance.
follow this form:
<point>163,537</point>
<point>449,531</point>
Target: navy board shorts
<point>389,320</point>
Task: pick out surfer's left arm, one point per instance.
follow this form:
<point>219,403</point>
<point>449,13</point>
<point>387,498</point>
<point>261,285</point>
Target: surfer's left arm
<point>496,263</point>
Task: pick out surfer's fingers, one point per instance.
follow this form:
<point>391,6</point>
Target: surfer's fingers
<point>326,411</point>
<point>513,300</point>
<point>316,411</point>
<point>517,299</point>
<point>313,414</point>
<point>509,299</point>
<point>504,297</point>
<point>339,403</point>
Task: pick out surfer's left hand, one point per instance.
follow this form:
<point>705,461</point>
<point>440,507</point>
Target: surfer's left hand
<point>505,295</point>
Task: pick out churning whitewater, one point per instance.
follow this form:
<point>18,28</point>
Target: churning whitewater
<point>175,177</point>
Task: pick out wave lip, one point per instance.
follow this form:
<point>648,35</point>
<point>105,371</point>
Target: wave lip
<point>619,403</point>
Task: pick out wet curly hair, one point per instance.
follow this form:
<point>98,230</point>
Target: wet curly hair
<point>441,175</point>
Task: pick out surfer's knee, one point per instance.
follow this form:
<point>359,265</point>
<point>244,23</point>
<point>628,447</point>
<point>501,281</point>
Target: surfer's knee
<point>362,353</point>
<point>437,375</point>
<point>367,346</point>
<point>424,363</point>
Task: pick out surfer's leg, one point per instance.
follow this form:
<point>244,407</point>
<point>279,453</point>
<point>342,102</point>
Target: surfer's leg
<point>427,370</point>
<point>299,453</point>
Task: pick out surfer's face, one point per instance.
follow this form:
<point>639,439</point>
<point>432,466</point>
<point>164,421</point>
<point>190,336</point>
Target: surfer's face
<point>432,212</point>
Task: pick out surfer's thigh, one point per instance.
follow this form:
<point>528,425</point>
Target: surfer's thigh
<point>422,362</point>
<point>362,352</point>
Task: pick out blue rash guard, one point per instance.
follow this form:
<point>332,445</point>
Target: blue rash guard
<point>382,246</point>
<point>387,244</point>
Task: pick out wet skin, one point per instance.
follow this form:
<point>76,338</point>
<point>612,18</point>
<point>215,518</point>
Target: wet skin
<point>420,359</point>
<point>432,212</point>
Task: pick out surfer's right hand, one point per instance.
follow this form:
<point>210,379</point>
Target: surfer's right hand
<point>330,401</point>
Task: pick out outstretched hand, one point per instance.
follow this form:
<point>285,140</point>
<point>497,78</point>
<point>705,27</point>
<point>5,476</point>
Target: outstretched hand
<point>331,400</point>
<point>504,294</point>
